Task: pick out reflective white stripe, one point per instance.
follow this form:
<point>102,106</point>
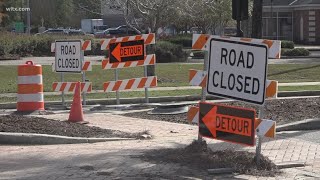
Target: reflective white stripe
<point>86,87</point>
<point>30,97</point>
<point>67,87</point>
<point>196,118</point>
<point>136,83</point>
<point>265,126</point>
<point>198,78</point>
<point>123,84</point>
<point>149,81</point>
<point>111,85</point>
<point>133,64</point>
<point>53,46</point>
<point>132,38</point>
<point>105,44</point>
<point>37,79</point>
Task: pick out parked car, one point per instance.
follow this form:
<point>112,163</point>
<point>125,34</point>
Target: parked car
<point>53,32</point>
<point>116,32</point>
<point>76,32</point>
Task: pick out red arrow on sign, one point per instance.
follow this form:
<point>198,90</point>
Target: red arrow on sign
<point>116,52</point>
<point>210,121</point>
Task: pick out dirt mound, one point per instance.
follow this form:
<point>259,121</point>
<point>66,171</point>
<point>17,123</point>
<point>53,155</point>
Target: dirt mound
<point>198,155</point>
<point>29,124</point>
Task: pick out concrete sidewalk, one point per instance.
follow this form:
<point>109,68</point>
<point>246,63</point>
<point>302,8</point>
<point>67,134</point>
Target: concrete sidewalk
<point>117,160</point>
<point>168,88</point>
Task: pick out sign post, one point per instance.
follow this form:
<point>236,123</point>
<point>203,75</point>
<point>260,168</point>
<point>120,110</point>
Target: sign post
<point>237,70</point>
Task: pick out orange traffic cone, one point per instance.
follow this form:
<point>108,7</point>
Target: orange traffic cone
<point>76,113</point>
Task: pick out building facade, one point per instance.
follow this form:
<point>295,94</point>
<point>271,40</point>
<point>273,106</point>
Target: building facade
<point>294,20</point>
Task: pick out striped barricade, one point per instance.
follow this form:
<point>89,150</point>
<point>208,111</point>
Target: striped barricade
<point>70,86</point>
<point>30,87</point>
<point>199,78</point>
<point>148,60</point>
<point>86,46</point>
<point>201,42</point>
<point>86,66</point>
<point>129,84</point>
<point>264,127</point>
<point>148,39</point>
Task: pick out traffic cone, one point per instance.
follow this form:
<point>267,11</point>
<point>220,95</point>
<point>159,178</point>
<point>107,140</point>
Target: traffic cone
<point>76,113</point>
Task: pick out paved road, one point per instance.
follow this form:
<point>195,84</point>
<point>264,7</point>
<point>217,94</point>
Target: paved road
<point>312,136</point>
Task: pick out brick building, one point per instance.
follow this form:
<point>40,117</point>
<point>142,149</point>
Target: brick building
<point>295,20</point>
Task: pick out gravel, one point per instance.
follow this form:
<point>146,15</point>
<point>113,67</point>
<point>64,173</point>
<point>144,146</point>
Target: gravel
<point>281,110</point>
<point>38,125</point>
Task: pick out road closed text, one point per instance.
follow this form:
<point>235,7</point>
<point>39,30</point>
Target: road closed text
<point>68,56</point>
<point>234,81</point>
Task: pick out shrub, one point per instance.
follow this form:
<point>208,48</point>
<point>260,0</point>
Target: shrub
<point>295,52</point>
<point>287,44</point>
<point>169,52</point>
<point>185,41</point>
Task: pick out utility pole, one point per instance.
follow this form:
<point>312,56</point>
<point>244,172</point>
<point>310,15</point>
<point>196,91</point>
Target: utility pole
<point>257,19</point>
<point>28,17</point>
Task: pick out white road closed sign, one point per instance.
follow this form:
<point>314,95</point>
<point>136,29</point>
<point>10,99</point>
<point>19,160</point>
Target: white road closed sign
<point>68,56</point>
<point>237,70</point>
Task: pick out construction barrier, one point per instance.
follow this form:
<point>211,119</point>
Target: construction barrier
<point>30,87</point>
<point>148,60</point>
<point>201,42</point>
<point>148,39</point>
<point>86,46</point>
<point>70,86</point>
<point>129,84</point>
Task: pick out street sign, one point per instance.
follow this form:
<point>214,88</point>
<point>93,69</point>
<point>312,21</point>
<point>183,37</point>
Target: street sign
<point>68,56</point>
<point>237,70</point>
<point>227,123</point>
<point>126,51</point>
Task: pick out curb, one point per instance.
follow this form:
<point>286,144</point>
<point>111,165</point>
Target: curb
<point>307,124</point>
<point>46,139</point>
<point>12,105</point>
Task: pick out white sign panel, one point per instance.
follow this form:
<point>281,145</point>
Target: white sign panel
<point>68,56</point>
<point>237,70</point>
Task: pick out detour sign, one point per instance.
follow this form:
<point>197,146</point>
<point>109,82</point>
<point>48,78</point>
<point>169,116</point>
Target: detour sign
<point>227,123</point>
<point>127,51</point>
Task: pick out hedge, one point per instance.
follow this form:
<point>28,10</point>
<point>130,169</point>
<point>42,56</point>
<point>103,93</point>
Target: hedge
<point>295,52</point>
<point>12,44</point>
<point>287,44</point>
<point>183,40</point>
<point>169,52</point>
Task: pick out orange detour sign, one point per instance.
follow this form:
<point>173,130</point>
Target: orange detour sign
<point>227,123</point>
<point>126,51</point>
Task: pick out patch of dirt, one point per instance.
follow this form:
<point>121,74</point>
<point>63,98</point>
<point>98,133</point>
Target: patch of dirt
<point>29,124</point>
<point>199,156</point>
<point>281,110</point>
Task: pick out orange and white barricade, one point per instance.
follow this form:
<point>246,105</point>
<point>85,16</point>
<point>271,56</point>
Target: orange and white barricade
<point>201,42</point>
<point>30,87</point>
<point>148,39</point>
<point>148,60</point>
<point>129,84</point>
<point>70,86</point>
<point>86,46</point>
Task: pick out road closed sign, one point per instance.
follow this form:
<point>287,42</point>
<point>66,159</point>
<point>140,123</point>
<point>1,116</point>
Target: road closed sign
<point>237,70</point>
<point>68,56</point>
<point>227,123</point>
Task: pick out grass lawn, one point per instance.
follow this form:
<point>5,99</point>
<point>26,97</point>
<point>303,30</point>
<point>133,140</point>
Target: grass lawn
<point>168,75</point>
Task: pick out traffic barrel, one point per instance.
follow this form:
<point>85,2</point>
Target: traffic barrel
<point>30,87</point>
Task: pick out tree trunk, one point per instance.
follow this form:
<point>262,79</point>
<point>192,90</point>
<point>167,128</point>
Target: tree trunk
<point>257,19</point>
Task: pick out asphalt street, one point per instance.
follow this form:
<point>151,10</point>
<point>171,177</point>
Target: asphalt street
<point>311,135</point>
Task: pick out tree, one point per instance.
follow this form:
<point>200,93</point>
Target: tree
<point>257,19</point>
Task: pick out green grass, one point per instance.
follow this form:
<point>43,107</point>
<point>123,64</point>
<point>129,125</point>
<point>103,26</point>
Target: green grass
<point>168,75</point>
<point>299,88</point>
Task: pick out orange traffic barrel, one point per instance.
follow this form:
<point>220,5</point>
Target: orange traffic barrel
<point>30,87</point>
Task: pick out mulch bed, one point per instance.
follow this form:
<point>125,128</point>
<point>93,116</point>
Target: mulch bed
<point>281,110</point>
<point>198,156</point>
<point>28,124</point>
